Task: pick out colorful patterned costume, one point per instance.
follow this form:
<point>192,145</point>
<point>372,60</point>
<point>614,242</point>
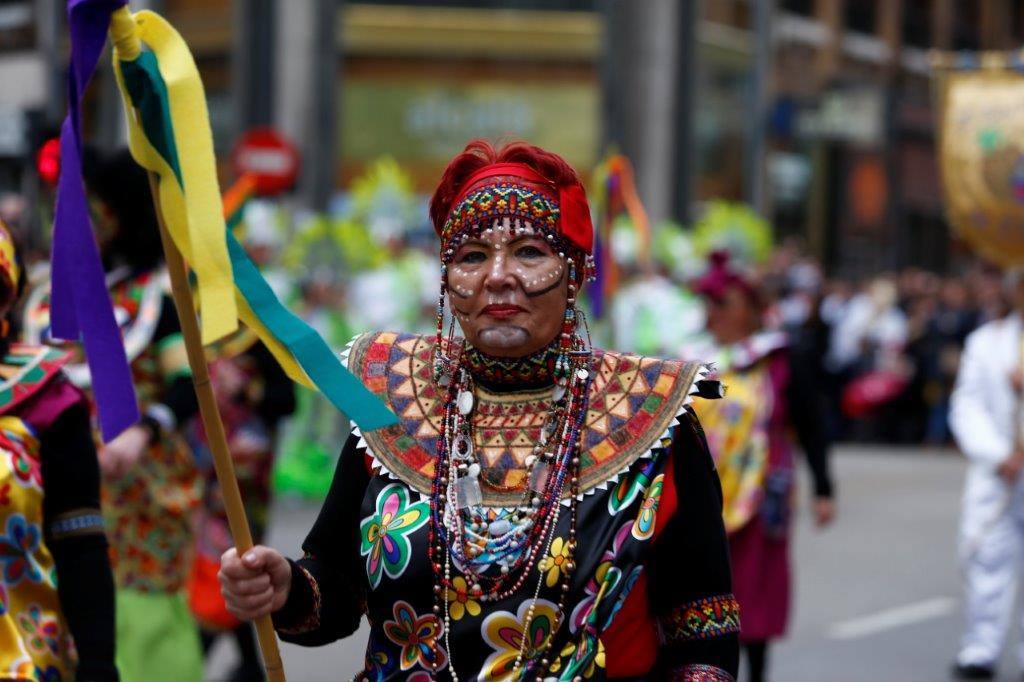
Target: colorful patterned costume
<point>149,511</point>
<point>35,640</point>
<point>651,574</point>
<point>750,438</point>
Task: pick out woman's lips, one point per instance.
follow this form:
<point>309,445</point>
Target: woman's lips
<point>502,310</point>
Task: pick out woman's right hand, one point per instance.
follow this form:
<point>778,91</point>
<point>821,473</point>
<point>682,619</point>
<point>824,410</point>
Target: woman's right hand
<point>255,584</point>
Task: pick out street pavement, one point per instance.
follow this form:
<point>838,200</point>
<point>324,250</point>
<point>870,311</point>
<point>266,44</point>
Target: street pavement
<point>877,594</point>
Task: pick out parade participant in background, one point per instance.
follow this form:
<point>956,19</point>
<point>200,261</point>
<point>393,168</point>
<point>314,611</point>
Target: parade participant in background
<point>56,588</point>
<point>749,436</point>
<point>253,395</point>
<point>985,417</point>
<point>151,487</point>
<point>544,509</point>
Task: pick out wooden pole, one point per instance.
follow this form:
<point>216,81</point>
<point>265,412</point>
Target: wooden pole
<point>215,436</point>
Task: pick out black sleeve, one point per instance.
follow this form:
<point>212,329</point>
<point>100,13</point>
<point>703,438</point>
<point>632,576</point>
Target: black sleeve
<point>278,399</point>
<point>689,571</point>
<point>327,600</point>
<point>180,394</point>
<point>74,533</point>
<point>806,415</point>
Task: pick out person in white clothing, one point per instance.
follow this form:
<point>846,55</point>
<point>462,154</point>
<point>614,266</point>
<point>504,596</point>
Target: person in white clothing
<point>985,417</point>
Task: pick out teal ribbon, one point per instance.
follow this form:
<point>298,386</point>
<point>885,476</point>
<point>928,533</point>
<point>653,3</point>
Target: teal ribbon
<point>323,366</point>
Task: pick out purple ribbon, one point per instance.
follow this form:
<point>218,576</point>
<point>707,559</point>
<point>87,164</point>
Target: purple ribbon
<point>80,305</point>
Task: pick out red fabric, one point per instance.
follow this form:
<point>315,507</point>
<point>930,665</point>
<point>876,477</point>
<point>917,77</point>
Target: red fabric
<point>204,598</point>
<point>872,391</point>
<point>631,642</point>
<point>43,408</point>
<point>760,581</point>
<point>721,276</point>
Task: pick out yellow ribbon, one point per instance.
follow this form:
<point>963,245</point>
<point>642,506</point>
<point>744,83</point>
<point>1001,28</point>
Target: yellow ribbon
<point>193,216</point>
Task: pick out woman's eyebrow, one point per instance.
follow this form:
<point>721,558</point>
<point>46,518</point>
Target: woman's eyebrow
<point>524,237</point>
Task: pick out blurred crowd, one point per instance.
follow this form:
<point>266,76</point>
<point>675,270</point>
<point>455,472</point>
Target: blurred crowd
<point>887,347</point>
<point>883,349</point>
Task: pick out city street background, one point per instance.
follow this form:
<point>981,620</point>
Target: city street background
<point>877,594</point>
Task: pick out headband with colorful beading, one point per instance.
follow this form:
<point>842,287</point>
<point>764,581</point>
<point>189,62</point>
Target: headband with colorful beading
<point>519,193</point>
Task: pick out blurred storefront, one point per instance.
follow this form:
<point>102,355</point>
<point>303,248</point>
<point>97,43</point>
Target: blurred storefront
<point>830,119</point>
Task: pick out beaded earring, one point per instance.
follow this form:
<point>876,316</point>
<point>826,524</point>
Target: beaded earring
<point>569,339</point>
<point>443,363</point>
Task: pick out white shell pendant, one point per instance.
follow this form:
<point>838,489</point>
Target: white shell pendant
<point>499,528</point>
<point>464,401</point>
<point>467,492</point>
<point>557,393</point>
<point>582,374</point>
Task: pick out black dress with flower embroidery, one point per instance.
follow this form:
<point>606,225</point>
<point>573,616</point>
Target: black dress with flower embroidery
<point>650,597</point>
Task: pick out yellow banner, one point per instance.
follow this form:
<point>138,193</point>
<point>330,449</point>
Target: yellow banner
<point>981,155</point>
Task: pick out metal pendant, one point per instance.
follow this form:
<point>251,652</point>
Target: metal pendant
<point>463,447</point>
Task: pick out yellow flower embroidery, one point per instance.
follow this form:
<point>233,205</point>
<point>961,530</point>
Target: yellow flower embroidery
<point>581,659</point>
<point>555,563</point>
<point>459,601</point>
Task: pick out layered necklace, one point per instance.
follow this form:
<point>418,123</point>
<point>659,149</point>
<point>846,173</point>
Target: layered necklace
<point>497,550</point>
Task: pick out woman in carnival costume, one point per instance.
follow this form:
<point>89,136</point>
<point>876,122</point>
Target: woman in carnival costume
<point>56,588</point>
<point>544,509</point>
<point>750,438</point>
<point>151,487</point>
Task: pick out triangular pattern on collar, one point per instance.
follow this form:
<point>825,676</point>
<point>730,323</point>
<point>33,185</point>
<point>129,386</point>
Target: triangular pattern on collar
<point>25,370</point>
<point>634,403</point>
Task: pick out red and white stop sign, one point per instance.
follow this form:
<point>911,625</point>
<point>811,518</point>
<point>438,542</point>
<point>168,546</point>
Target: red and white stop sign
<point>270,158</point>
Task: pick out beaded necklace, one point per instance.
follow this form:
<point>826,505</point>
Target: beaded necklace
<point>497,558</point>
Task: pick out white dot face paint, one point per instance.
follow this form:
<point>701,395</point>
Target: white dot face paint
<point>508,289</point>
<point>505,250</point>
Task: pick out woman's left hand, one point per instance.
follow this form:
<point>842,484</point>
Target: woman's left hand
<point>122,453</point>
<point>824,511</point>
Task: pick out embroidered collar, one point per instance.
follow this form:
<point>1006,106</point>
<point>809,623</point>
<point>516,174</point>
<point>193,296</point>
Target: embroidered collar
<point>25,370</point>
<point>533,371</point>
<point>634,402</point>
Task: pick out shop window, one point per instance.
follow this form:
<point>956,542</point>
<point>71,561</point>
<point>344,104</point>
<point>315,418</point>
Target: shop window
<point>860,16</point>
<point>917,18</point>
<point>967,26</point>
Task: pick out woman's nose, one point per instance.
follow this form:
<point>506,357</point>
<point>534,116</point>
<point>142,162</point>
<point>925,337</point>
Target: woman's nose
<point>499,273</point>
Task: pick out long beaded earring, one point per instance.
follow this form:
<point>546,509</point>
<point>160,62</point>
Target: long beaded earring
<point>568,338</point>
<point>442,363</point>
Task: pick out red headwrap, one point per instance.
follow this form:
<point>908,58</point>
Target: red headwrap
<point>563,209</point>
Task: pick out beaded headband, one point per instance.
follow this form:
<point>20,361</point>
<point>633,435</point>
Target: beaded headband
<point>517,192</point>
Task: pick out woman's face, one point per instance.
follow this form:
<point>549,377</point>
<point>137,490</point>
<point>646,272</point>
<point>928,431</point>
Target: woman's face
<point>731,317</point>
<point>508,292</point>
